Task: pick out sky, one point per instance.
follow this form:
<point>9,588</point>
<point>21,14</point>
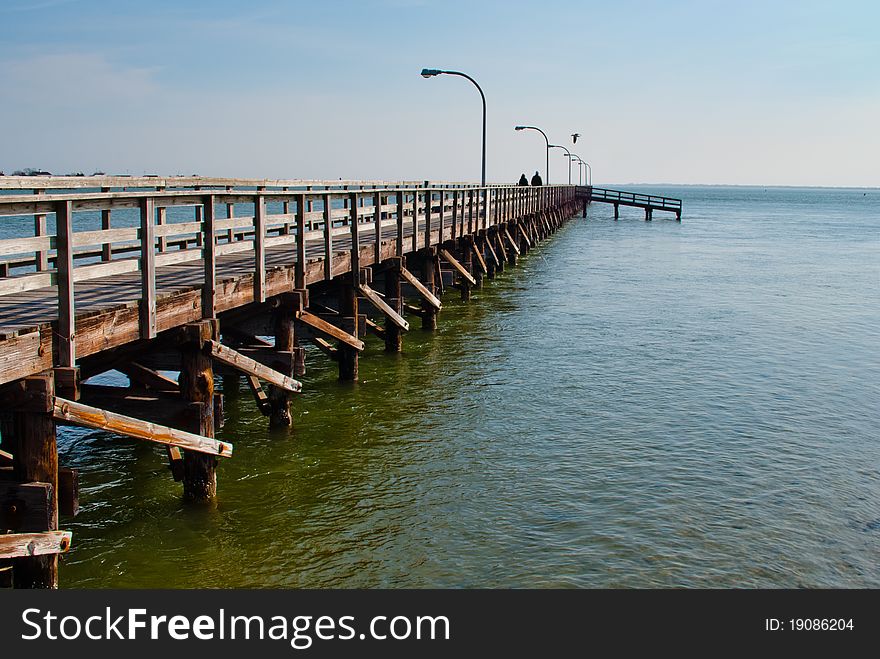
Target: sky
<point>681,91</point>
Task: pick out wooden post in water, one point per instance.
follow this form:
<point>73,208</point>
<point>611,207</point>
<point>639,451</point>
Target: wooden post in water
<point>467,259</point>
<point>197,386</point>
<point>394,298</point>
<point>429,313</point>
<point>348,307</point>
<point>35,459</point>
<point>285,343</point>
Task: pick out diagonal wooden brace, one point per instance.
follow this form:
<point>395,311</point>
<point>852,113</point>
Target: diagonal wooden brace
<point>383,306</point>
<point>233,358</point>
<point>427,295</point>
<point>78,414</point>
<point>459,267</point>
<point>329,329</point>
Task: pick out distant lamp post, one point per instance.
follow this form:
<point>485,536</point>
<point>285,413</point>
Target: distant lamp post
<point>547,170</point>
<point>430,73</point>
<point>580,170</point>
<point>568,153</point>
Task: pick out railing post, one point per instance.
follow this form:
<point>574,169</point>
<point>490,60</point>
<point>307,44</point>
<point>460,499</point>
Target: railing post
<point>300,272</point>
<point>162,213</point>
<point>147,312</point>
<point>454,214</point>
<point>41,259</point>
<point>355,238</point>
<point>415,221</point>
<point>378,220</point>
<point>259,249</point>
<point>401,206</point>
<point>106,248</point>
<point>328,237</point>
<point>64,267</point>
<point>429,194</point>
<point>209,293</point>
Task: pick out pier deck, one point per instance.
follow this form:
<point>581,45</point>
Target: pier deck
<point>146,276</point>
<point>649,203</point>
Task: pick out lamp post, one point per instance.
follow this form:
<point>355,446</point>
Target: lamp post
<point>547,170</point>
<point>430,73</point>
<point>568,153</point>
<point>579,162</point>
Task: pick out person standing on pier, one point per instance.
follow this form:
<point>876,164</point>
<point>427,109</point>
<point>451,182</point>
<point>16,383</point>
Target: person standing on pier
<point>536,179</point>
<point>523,180</point>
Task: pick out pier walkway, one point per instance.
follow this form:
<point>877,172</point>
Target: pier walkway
<point>649,203</point>
<point>190,275</point>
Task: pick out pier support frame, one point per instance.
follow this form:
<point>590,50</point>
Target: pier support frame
<point>348,308</point>
<point>429,313</point>
<point>394,298</point>
<point>35,459</point>
<point>197,386</point>
<point>286,342</point>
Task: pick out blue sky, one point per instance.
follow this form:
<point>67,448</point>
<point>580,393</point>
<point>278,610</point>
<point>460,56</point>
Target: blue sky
<point>680,91</point>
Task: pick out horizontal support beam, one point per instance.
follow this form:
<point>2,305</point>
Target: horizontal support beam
<point>68,411</point>
<point>23,545</point>
<point>233,358</point>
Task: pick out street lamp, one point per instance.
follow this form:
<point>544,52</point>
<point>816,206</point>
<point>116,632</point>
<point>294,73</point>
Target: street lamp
<point>547,170</point>
<point>430,73</point>
<point>579,162</point>
<point>568,153</point>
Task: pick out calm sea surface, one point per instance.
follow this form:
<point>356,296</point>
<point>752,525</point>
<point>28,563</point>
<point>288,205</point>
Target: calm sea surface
<point>638,404</point>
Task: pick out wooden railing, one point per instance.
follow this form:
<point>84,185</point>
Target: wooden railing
<point>73,230</point>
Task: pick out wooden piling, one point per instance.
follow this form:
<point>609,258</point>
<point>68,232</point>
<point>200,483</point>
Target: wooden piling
<point>429,312</point>
<point>394,298</point>
<point>197,386</point>
<point>35,460</point>
<point>348,307</point>
<point>285,341</point>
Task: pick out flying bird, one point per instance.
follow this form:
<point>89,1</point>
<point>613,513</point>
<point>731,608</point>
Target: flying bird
<point>574,137</point>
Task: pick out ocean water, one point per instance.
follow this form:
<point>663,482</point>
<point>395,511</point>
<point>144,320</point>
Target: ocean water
<point>638,404</point>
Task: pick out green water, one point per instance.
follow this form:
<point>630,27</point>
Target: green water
<point>637,404</point>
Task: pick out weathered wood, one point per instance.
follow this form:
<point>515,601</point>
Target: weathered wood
<point>25,506</point>
<point>196,382</point>
<point>325,347</point>
<point>147,377</point>
<point>429,310</point>
<point>260,396</point>
<point>68,492</point>
<point>79,414</point>
<point>385,308</point>
<point>328,237</point>
<point>35,459</point>
<point>510,241</point>
<point>467,276</point>
<point>209,281</point>
<point>30,546</point>
<point>235,359</point>
<point>148,270</point>
<point>348,308</point>
<point>479,254</point>
<point>329,329</point>
<point>426,295</point>
<point>259,248</point>
<point>64,266</point>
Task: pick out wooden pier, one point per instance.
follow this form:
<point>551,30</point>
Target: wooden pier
<point>150,275</point>
<point>649,203</point>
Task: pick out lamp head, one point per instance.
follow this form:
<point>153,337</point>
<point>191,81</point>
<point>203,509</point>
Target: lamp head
<point>520,128</point>
<point>430,73</point>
